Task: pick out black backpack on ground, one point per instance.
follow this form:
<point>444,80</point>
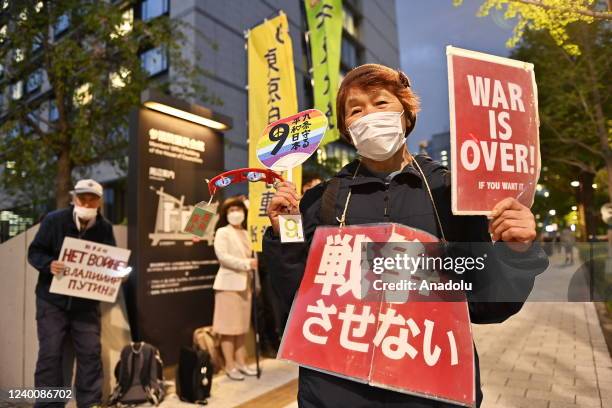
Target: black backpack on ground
<point>194,375</point>
<point>139,375</point>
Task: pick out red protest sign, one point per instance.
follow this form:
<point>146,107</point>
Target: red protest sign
<point>416,347</point>
<point>495,145</point>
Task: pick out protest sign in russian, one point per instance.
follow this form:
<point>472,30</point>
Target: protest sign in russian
<point>495,145</point>
<point>93,270</point>
<point>412,346</point>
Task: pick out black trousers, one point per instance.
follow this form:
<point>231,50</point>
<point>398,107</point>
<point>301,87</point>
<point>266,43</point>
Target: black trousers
<point>321,390</point>
<point>53,324</point>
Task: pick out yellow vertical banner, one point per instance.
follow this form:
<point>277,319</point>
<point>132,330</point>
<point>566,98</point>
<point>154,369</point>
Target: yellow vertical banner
<point>272,96</point>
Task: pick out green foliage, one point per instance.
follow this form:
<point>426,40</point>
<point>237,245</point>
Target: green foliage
<point>95,75</point>
<point>566,106</point>
<point>569,137</point>
<point>552,16</point>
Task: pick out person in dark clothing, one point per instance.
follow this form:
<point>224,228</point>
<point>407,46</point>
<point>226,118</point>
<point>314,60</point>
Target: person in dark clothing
<point>57,315</point>
<point>376,111</point>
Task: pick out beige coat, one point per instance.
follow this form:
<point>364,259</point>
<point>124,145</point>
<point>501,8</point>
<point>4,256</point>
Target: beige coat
<point>234,260</point>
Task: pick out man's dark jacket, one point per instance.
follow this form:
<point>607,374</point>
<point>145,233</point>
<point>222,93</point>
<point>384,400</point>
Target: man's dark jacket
<point>403,199</point>
<point>47,245</point>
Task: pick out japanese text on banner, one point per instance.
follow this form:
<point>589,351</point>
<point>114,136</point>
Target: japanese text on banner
<point>272,96</point>
<point>325,33</point>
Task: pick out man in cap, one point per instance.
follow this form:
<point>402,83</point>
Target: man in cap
<point>56,315</point>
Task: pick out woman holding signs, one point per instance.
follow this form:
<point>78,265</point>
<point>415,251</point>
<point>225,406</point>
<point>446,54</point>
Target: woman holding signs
<point>376,112</point>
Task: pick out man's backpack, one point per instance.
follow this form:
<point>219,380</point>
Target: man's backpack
<point>139,375</point>
<point>194,375</point>
<point>205,339</point>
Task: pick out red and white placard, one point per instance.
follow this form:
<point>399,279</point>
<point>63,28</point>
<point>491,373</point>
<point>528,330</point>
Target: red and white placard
<point>415,346</point>
<point>495,145</point>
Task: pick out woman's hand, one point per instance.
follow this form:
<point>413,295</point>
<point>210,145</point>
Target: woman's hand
<point>513,223</point>
<point>253,264</point>
<point>285,201</point>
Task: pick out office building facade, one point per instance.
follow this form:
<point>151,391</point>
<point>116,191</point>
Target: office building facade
<point>216,32</point>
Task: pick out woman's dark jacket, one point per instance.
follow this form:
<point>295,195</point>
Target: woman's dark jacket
<point>402,199</point>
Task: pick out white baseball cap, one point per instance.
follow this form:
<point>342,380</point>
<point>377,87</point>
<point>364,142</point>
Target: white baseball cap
<point>88,186</point>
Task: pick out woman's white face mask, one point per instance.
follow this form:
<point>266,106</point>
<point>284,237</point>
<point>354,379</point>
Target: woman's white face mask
<point>378,135</point>
<point>235,218</point>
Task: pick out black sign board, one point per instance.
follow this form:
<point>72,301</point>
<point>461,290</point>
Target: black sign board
<point>170,291</point>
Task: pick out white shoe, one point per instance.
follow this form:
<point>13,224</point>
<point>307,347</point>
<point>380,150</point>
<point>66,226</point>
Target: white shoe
<point>235,375</point>
<point>247,370</point>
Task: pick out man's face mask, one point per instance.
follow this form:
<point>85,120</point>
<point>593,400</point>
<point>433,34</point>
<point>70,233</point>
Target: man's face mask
<point>85,213</point>
<point>378,135</point>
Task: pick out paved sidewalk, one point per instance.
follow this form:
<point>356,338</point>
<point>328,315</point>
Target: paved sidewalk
<point>228,393</point>
<point>550,355</point>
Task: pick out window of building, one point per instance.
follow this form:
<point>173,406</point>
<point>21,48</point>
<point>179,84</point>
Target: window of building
<point>115,201</point>
<point>348,21</point>
<point>36,114</point>
<point>53,112</point>
<point>12,224</point>
<point>17,90</point>
<point>61,25</point>
<point>34,81</point>
<point>349,54</point>
<point>154,61</point>
<point>36,43</point>
<point>153,8</point>
<point>109,203</point>
<point>13,132</point>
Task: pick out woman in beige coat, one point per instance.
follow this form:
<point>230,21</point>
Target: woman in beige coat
<point>232,286</point>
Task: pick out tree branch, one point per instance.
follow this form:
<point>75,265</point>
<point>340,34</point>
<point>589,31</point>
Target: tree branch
<point>582,166</point>
<point>573,141</point>
<point>108,153</point>
<point>600,15</point>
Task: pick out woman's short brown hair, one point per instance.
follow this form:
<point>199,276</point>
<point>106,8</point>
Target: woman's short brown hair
<point>370,76</point>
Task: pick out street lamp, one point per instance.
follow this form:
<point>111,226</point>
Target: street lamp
<point>575,183</point>
<point>552,212</point>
